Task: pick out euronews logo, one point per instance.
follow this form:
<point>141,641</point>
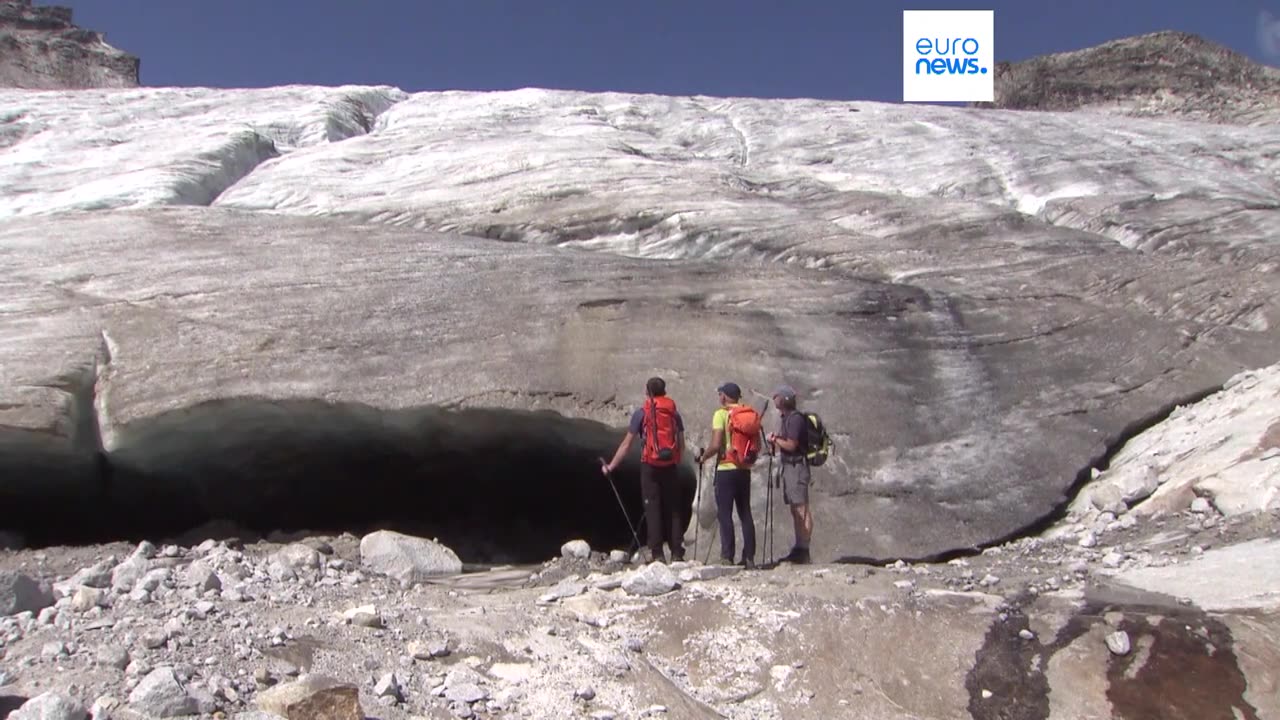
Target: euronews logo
<point>948,55</point>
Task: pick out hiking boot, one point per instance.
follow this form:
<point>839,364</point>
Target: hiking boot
<point>748,564</point>
<point>798,556</point>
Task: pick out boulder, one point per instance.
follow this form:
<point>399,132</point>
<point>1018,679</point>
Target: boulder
<point>161,695</point>
<point>653,579</point>
<point>406,558</point>
<point>576,549</point>
<point>19,593</point>
<point>50,706</point>
<point>312,697</point>
<point>294,561</point>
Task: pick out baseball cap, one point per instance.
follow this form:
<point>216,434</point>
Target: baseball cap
<point>731,389</point>
<point>785,391</point>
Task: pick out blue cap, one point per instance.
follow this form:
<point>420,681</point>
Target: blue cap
<point>785,391</point>
<point>732,390</point>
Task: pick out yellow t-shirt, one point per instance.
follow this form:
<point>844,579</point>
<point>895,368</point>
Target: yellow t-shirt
<point>720,421</point>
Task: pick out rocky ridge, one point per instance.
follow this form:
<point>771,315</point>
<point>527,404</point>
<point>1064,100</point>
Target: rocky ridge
<point>1174,75</point>
<point>41,49</point>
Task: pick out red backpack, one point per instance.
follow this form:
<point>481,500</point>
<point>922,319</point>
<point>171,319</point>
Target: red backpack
<point>743,441</point>
<point>661,435</point>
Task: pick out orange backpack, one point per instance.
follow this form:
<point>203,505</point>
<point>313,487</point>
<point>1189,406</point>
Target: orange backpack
<point>661,434</point>
<point>743,441</point>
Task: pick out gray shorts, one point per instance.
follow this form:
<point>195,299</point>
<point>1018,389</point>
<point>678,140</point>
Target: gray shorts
<point>795,483</point>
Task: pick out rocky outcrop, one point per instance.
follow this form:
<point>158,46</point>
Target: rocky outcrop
<point>41,49</point>
<point>1163,74</point>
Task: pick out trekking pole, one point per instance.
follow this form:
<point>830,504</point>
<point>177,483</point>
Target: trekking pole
<point>697,506</point>
<point>625,514</point>
<point>768,489</point>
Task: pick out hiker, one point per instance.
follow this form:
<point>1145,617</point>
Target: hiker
<point>661,429</point>
<point>735,442</point>
<point>792,442</point>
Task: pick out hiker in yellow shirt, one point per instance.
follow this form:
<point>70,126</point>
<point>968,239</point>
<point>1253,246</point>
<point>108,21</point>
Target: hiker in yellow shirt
<point>735,442</point>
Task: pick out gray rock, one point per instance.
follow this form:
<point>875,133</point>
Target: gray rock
<point>576,549</point>
<point>54,651</point>
<point>19,593</point>
<point>989,581</point>
<point>1107,498</point>
<point>295,561</point>
<point>586,692</point>
<point>406,558</point>
<point>567,588</point>
<point>162,695</point>
<point>1139,484</point>
<point>1201,506</point>
<point>116,656</point>
<point>126,575</point>
<point>50,706</point>
<point>86,598</point>
<point>1118,642</point>
<point>1088,539</point>
<point>619,556</point>
<point>465,692</point>
<point>153,580</point>
<point>98,576</point>
<point>1112,560</point>
<point>389,685</point>
<point>653,579</point>
<point>201,576</point>
<point>104,708</point>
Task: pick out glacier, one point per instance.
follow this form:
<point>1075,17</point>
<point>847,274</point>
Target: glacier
<point>981,303</point>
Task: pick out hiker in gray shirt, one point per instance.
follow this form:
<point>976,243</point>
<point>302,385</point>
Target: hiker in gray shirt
<point>792,443</point>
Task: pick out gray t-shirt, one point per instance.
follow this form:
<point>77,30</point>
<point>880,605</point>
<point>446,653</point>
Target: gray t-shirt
<point>795,427</point>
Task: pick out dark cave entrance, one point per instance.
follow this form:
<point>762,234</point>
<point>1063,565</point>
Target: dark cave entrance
<point>498,486</point>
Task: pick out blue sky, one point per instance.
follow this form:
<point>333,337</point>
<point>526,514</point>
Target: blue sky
<point>843,49</point>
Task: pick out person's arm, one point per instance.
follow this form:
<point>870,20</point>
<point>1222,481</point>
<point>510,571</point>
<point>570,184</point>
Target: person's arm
<point>717,438</point>
<point>623,447</point>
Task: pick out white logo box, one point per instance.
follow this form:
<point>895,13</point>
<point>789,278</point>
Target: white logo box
<point>948,55</point>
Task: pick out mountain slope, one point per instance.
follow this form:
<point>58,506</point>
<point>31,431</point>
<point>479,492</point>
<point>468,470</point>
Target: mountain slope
<point>1164,74</point>
<point>41,49</point>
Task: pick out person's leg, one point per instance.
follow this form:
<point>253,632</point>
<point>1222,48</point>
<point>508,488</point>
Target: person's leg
<point>724,512</point>
<point>669,480</point>
<point>651,492</point>
<point>795,487</point>
<point>742,498</point>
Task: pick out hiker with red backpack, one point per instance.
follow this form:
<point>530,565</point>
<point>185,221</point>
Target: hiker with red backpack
<point>735,443</point>
<point>661,429</point>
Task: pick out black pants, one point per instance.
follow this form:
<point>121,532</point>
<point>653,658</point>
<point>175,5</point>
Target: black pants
<point>733,487</point>
<point>660,488</point>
